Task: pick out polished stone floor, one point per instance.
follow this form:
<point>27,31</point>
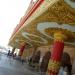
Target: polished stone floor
<point>8,66</point>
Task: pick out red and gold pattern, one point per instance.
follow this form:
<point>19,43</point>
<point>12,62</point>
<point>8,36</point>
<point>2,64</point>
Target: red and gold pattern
<point>59,36</point>
<point>53,67</point>
<point>54,63</point>
<point>21,50</point>
<point>51,73</point>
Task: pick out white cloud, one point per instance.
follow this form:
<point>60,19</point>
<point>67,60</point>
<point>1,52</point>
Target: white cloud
<point>10,13</point>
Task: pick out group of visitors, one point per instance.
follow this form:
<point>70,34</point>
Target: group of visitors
<point>11,54</point>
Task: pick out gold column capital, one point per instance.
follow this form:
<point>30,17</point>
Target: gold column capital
<point>23,43</point>
<point>59,36</point>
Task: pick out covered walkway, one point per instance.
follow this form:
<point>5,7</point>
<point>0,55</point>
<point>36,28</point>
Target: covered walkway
<point>47,25</point>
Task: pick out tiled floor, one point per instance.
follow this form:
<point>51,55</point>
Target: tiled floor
<point>8,66</point>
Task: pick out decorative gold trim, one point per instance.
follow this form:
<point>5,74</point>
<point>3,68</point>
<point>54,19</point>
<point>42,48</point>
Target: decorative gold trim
<point>54,65</point>
<point>22,44</point>
<point>59,36</point>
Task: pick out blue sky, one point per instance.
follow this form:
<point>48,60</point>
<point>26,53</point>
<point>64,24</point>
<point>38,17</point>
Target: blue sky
<point>10,13</point>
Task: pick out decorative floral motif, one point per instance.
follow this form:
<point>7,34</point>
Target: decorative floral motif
<point>54,65</point>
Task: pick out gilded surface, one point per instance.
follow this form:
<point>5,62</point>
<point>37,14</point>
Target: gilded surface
<point>60,13</point>
<point>54,65</point>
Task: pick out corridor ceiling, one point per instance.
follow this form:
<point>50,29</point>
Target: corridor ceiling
<point>49,17</point>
